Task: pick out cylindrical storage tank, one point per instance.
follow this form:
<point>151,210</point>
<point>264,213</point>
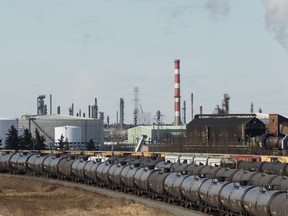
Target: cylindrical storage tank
<point>200,160</point>
<point>141,178</point>
<point>280,183</point>
<point>190,187</point>
<point>151,162</point>
<point>194,169</point>
<point>264,201</point>
<point>77,167</point>
<point>90,169</point>
<point>251,166</point>
<point>225,173</point>
<point>127,175</point>
<point>156,181</point>
<point>172,184</point>
<point>13,161</point>
<point>18,162</point>
<point>214,161</point>
<point>243,176</point>
<point>22,162</point>
<point>176,167</point>
<point>262,179</point>
<point>50,164</point>
<point>209,171</point>
<point>114,173</point>
<point>275,168</point>
<point>232,195</point>
<point>69,133</point>
<point>210,190</point>
<point>257,201</point>
<point>285,169</point>
<point>102,171</point>
<point>46,162</point>
<point>37,166</point>
<point>31,161</point>
<point>4,161</point>
<point>65,166</point>
<point>228,162</point>
<point>279,205</point>
<point>164,165</point>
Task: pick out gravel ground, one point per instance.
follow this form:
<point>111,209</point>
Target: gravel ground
<point>25,195</point>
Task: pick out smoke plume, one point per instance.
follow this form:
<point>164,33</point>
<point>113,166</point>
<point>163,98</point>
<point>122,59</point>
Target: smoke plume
<point>217,7</point>
<point>277,19</point>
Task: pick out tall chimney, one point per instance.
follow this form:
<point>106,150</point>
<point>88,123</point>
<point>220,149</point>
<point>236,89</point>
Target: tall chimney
<point>184,112</point>
<point>50,104</point>
<point>192,104</point>
<point>177,119</point>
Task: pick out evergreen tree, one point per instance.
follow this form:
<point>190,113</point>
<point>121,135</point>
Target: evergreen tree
<point>90,146</point>
<point>61,142</point>
<point>66,144</point>
<point>12,139</point>
<point>39,141</point>
<point>26,140</point>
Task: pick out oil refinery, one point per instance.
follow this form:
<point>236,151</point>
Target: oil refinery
<point>218,132</point>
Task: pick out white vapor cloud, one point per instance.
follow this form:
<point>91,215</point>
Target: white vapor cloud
<point>217,7</point>
<point>277,19</point>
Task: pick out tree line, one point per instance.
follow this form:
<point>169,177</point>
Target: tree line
<point>27,141</point>
<point>24,142</point>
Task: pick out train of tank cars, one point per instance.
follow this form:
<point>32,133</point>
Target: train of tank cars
<point>216,185</point>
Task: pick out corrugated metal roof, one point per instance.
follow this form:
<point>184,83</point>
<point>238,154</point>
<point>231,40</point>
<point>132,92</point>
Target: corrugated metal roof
<point>220,121</point>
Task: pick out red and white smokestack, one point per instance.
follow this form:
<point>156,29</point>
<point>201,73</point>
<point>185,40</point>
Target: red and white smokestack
<point>177,119</point>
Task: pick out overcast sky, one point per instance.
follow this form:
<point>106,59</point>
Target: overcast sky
<point>79,50</point>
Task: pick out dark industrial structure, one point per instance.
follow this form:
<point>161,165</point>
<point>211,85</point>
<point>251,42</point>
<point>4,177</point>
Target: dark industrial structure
<point>215,130</point>
<point>232,133</point>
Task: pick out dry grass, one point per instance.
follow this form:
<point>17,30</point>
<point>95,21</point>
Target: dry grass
<point>21,197</point>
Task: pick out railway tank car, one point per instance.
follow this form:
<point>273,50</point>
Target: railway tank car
<point>172,184</point>
<point>77,169</point>
<point>232,196</point>
<point>18,162</point>
<point>257,201</point>
<point>193,186</point>
<point>190,191</point>
<point>209,194</point>
<point>5,160</point>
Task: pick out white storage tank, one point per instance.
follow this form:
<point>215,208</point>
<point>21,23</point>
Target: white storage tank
<point>70,133</point>
<point>5,125</point>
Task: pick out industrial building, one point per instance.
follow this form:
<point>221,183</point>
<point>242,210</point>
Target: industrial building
<point>90,128</point>
<point>216,134</point>
<point>155,134</point>
<point>215,130</point>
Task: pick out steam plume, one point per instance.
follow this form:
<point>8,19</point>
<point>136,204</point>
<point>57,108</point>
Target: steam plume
<point>277,19</point>
<point>217,7</point>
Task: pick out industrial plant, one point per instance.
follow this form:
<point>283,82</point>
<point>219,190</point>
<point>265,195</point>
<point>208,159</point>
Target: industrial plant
<point>217,132</point>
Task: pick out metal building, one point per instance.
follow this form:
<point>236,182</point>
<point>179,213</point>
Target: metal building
<point>155,134</point>
<point>90,128</point>
<point>223,130</point>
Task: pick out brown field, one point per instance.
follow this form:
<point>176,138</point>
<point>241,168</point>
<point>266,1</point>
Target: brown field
<point>24,197</point>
